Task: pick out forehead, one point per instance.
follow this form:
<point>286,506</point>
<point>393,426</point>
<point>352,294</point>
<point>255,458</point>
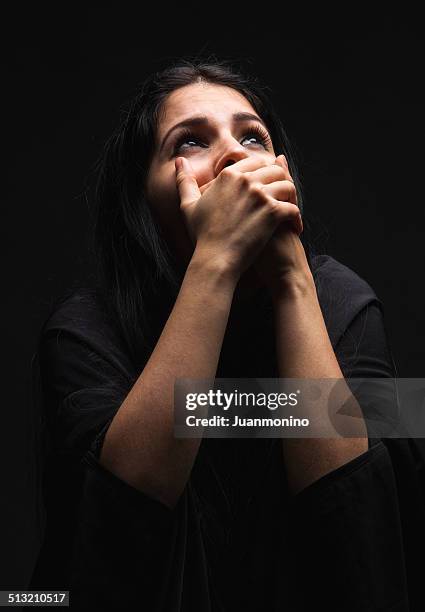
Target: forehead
<point>217,101</point>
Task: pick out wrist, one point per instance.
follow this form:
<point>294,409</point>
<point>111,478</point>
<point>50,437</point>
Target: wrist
<point>213,265</point>
<point>292,283</point>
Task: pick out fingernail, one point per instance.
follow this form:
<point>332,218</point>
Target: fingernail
<point>179,164</point>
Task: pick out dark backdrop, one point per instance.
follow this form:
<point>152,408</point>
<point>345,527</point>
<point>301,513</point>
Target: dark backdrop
<point>348,89</point>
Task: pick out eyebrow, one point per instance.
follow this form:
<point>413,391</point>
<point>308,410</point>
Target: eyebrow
<point>203,120</point>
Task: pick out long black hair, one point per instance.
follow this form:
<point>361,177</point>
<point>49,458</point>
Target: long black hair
<point>134,268</point>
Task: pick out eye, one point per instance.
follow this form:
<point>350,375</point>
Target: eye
<point>259,134</point>
<point>185,137</point>
<point>190,138</point>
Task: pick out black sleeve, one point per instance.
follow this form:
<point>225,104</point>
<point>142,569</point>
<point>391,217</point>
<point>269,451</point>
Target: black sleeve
<point>82,389</point>
<point>363,350</point>
<point>129,549</point>
<point>346,537</point>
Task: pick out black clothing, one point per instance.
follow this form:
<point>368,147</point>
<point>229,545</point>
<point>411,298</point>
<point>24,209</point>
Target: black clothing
<point>237,540</point>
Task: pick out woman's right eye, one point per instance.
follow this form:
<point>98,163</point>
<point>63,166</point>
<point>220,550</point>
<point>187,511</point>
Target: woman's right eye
<point>183,139</point>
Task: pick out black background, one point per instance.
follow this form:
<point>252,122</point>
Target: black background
<point>348,87</point>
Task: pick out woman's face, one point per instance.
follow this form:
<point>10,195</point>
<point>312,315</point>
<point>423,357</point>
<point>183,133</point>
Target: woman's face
<point>226,133</point>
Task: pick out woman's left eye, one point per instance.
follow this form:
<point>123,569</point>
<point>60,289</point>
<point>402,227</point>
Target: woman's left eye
<point>256,132</point>
<point>252,136</point>
<point>259,134</point>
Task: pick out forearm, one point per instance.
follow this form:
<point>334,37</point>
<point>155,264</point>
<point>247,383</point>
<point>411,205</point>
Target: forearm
<point>304,350</point>
<point>139,446</point>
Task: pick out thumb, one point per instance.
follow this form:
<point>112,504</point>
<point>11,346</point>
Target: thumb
<point>186,182</point>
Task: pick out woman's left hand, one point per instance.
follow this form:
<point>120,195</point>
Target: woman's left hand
<point>283,255</point>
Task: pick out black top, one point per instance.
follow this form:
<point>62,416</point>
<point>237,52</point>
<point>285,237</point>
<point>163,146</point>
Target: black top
<point>236,540</point>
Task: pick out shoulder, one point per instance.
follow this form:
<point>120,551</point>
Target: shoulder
<point>331,274</point>
<point>74,307</point>
<point>79,317</point>
<point>342,294</point>
<point>80,312</point>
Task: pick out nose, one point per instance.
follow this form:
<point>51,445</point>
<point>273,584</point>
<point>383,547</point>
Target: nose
<point>231,155</point>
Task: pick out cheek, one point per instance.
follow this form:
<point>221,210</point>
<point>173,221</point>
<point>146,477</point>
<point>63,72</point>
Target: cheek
<point>201,167</point>
<point>163,193</point>
<point>164,202</point>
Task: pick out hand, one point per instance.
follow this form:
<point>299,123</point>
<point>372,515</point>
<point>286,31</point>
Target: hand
<point>284,253</point>
<point>234,216</point>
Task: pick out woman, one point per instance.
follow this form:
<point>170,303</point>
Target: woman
<point>204,271</point>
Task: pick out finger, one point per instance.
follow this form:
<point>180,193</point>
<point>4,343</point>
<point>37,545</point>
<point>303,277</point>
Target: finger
<point>282,190</point>
<point>281,160</point>
<point>268,174</point>
<point>253,162</point>
<point>205,186</point>
<point>186,182</point>
<point>287,211</point>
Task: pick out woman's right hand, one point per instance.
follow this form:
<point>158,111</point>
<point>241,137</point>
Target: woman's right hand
<point>234,218</point>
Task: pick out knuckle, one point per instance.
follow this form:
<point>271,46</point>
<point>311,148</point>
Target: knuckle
<point>244,180</point>
<point>280,210</point>
<point>291,191</point>
<point>179,179</point>
<point>227,173</point>
<point>292,188</point>
<point>255,189</point>
<point>280,172</point>
<point>294,212</point>
<point>274,208</point>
